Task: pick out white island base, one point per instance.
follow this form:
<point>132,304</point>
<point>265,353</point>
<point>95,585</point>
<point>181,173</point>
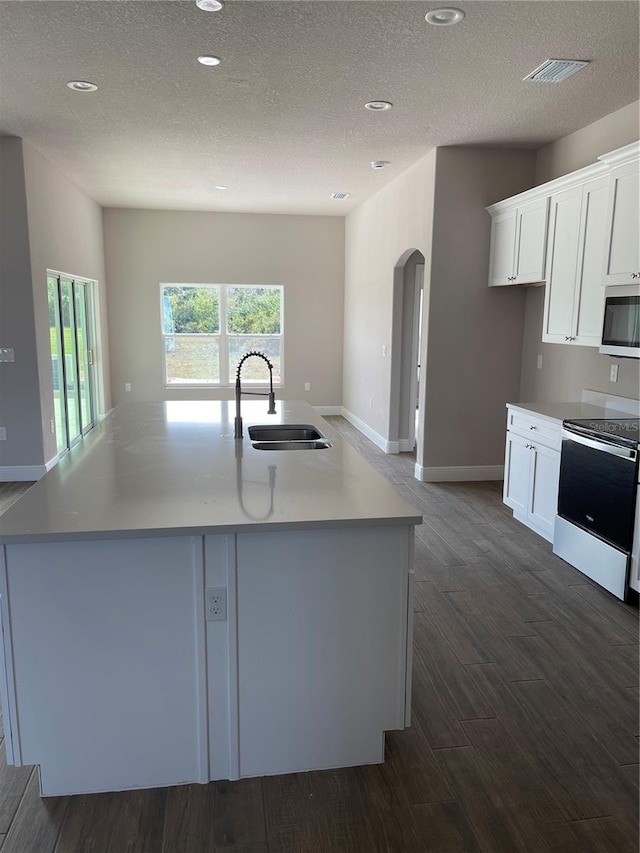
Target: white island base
<point>114,678</point>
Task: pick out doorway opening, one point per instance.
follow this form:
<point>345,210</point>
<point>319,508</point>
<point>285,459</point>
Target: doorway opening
<point>72,341</point>
<point>408,298</point>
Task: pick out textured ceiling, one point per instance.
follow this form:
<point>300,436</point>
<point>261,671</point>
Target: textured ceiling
<point>281,121</point>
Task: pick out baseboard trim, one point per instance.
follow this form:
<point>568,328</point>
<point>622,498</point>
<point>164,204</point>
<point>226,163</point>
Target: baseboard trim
<point>366,430</point>
<point>459,474</point>
<point>21,473</point>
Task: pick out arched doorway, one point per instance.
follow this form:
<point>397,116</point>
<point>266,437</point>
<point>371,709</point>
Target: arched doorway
<point>408,290</point>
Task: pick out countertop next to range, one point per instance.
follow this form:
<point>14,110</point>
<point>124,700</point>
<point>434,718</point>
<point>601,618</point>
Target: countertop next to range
<point>174,468</point>
<point>558,412</point>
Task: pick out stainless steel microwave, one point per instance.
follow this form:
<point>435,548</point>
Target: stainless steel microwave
<point>621,327</point>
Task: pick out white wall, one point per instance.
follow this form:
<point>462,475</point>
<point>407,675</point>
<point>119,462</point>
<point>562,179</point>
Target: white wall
<point>567,370</point>
<point>303,253</point>
<point>19,398</point>
<point>65,234</point>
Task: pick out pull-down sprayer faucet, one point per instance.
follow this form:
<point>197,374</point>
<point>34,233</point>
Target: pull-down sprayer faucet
<point>239,392</point>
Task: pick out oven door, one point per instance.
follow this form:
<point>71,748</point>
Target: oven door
<point>597,491</point>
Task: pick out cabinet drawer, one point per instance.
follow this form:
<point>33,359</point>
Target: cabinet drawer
<point>528,426</point>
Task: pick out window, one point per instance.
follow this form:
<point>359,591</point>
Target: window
<point>71,335</point>
<point>207,328</point>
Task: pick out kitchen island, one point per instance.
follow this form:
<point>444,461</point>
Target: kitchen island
<point>179,606</point>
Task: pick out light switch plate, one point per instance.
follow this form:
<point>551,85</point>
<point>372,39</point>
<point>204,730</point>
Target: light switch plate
<point>7,354</point>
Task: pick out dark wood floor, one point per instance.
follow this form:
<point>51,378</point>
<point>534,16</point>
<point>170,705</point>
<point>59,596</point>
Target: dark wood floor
<point>524,735</point>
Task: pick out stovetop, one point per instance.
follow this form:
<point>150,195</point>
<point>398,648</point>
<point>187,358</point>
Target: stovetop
<point>625,431</point>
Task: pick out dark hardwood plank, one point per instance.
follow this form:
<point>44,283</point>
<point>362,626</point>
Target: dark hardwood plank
<point>574,766</point>
<point>444,828</point>
<point>610,713</point>
<point>239,813</point>
<point>121,822</point>
<point>447,677</point>
<point>316,812</point>
<point>37,823</point>
<point>606,835</point>
<point>414,766</point>
<point>189,819</point>
<point>502,796</point>
<point>10,493</point>
<point>614,610</point>
<point>13,782</point>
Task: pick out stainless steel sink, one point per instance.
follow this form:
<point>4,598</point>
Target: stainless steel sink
<point>284,432</point>
<point>315,444</point>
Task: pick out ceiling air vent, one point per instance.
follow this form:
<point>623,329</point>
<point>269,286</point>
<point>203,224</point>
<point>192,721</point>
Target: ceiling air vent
<point>555,70</point>
<point>340,196</point>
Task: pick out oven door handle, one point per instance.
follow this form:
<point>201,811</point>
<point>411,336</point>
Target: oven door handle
<point>614,449</point>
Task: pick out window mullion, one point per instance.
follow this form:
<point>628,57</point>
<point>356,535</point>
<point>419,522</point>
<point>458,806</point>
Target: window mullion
<point>224,347</point>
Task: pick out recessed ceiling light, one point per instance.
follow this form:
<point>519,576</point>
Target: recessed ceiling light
<point>379,164</point>
<point>378,106</point>
<point>444,17</point>
<point>209,60</point>
<point>221,187</point>
<point>82,86</point>
<point>209,5</point>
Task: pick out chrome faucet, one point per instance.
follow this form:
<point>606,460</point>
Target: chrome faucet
<point>239,392</point>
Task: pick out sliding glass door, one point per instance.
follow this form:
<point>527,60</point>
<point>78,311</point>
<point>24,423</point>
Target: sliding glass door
<point>71,336</point>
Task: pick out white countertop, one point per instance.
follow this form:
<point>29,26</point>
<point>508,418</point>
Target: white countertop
<point>172,468</point>
<point>558,412</point>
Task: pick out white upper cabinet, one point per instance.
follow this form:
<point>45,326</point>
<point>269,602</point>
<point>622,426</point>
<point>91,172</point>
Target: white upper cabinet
<point>622,258</point>
<point>518,241</point>
<point>574,296</point>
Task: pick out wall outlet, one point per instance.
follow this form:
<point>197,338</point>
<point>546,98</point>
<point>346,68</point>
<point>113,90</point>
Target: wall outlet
<point>52,427</point>
<point>384,350</point>
<point>127,386</point>
<point>539,362</point>
<point>3,433</point>
<point>215,602</point>
<point>7,354</point>
<point>307,386</point>
<point>613,373</point>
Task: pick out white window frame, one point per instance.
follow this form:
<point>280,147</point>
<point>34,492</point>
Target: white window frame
<point>223,336</point>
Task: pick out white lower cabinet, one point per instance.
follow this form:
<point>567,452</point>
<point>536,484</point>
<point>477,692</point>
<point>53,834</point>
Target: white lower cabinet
<point>104,661</point>
<point>323,622</point>
<point>532,472</point>
<point>113,675</point>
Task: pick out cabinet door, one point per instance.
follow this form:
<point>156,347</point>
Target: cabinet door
<point>588,309</point>
<point>531,239</point>
<point>517,466</point>
<point>108,655</point>
<point>562,263</point>
<point>503,238</point>
<point>543,495</point>
<point>622,255</point>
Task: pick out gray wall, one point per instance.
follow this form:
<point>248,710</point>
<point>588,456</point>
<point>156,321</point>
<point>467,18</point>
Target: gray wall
<point>381,234</point>
<point>19,398</point>
<point>474,331</point>
<point>567,370</point>
<point>65,235</point>
<point>303,253</point>
<point>47,222</point>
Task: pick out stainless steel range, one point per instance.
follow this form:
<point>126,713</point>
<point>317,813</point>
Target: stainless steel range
<point>594,529</point>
